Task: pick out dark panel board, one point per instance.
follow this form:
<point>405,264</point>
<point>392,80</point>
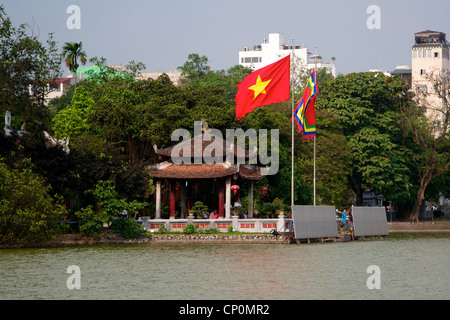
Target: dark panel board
<point>314,222</point>
<point>369,221</point>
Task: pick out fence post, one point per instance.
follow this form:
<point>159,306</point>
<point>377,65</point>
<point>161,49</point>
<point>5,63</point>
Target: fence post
<point>281,222</point>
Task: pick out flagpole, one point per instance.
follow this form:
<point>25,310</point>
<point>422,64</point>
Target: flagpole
<point>292,130</point>
<point>315,137</point>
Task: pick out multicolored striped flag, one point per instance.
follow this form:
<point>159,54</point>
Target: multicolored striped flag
<point>305,113</point>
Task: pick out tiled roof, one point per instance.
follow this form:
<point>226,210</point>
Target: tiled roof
<point>250,173</point>
<point>169,170</point>
<point>204,171</point>
<point>65,80</point>
<point>193,171</point>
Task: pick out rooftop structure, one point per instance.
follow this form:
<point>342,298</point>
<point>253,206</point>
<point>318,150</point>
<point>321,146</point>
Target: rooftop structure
<point>273,49</point>
<point>403,72</point>
<point>430,56</point>
<point>174,76</point>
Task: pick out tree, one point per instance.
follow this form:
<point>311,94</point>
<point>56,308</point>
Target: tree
<point>26,64</point>
<point>71,52</point>
<point>195,67</point>
<point>428,119</point>
<point>107,205</point>
<point>27,211</point>
<point>333,161</point>
<point>368,107</point>
<point>73,120</point>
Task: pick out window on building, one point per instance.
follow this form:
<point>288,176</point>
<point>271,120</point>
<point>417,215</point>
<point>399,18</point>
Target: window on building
<point>255,59</point>
<point>421,88</point>
<point>436,54</point>
<point>423,71</point>
<point>247,60</point>
<point>424,53</point>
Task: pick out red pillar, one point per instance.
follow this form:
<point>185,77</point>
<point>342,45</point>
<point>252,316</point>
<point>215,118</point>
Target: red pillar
<point>221,197</point>
<point>172,199</point>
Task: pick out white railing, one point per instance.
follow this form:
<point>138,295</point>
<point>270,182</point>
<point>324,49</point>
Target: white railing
<point>223,225</point>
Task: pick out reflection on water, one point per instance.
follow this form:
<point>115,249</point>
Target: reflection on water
<point>410,269</point>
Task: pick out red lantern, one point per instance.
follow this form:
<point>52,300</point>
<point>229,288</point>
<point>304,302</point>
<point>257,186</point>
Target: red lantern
<point>263,190</point>
<point>235,188</point>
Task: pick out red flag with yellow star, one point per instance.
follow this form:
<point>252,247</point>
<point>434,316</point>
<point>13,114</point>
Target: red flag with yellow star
<point>264,86</point>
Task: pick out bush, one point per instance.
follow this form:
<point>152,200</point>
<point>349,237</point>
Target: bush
<point>209,231</point>
<point>189,228</point>
<point>27,211</point>
<point>90,222</point>
<point>108,205</point>
<point>162,229</point>
<point>199,208</point>
<point>127,228</point>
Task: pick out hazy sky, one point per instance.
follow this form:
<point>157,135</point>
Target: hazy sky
<point>161,34</point>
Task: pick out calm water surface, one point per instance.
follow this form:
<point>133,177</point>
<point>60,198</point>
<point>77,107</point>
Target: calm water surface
<point>411,268</point>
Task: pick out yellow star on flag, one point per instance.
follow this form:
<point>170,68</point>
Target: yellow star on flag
<point>259,87</point>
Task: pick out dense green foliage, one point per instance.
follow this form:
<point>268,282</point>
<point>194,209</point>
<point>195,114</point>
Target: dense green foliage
<point>368,107</point>
<point>25,63</point>
<point>127,228</point>
<point>108,205</point>
<point>27,210</point>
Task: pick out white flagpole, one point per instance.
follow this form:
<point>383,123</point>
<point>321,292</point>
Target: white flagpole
<point>292,129</point>
<point>315,70</point>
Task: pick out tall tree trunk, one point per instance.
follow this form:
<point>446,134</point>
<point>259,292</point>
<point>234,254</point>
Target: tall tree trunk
<point>424,182</point>
<point>356,187</point>
<point>414,215</point>
<point>75,78</point>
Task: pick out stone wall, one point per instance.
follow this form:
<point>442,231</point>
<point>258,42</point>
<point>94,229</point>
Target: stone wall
<point>217,238</point>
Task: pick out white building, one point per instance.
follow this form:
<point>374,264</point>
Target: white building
<point>274,49</point>
<point>430,55</point>
<point>57,88</point>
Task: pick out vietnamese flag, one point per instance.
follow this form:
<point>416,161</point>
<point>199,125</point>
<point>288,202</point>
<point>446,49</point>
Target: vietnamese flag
<point>264,86</point>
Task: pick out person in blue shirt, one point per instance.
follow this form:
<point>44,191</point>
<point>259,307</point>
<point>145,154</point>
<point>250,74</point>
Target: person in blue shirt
<point>343,219</point>
<point>344,216</point>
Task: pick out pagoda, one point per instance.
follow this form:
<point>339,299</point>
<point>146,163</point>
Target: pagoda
<point>200,180</point>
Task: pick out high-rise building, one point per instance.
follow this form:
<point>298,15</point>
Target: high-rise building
<point>274,49</point>
<point>430,57</point>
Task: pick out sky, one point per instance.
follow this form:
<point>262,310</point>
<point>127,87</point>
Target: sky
<point>162,34</point>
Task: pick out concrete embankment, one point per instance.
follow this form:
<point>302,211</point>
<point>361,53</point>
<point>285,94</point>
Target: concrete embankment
<point>75,239</point>
<point>217,238</point>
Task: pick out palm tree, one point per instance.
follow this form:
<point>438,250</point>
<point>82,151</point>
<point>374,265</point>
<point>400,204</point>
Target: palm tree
<point>71,52</point>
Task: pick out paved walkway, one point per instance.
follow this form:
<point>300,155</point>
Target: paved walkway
<point>428,226</point>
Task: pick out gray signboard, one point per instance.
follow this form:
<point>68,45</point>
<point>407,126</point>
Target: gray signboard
<point>314,222</point>
<point>369,221</point>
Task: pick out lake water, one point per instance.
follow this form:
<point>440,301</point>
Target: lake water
<point>410,268</point>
